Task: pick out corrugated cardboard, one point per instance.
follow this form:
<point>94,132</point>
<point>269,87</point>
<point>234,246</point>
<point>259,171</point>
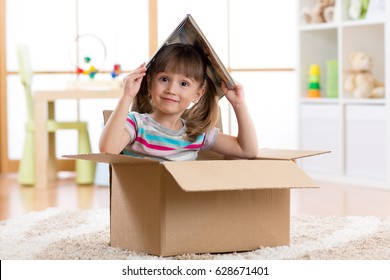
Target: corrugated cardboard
<point>170,208</point>
<point>213,204</point>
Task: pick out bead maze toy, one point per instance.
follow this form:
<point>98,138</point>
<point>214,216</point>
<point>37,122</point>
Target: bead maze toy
<point>116,71</point>
<point>91,71</point>
<point>87,51</point>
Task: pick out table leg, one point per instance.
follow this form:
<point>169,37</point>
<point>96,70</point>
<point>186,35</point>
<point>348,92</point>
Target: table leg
<point>41,145</point>
<point>52,160</point>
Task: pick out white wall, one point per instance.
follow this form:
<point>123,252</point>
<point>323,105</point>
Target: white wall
<point>258,35</point>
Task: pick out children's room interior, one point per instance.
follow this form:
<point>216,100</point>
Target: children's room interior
<point>315,77</point>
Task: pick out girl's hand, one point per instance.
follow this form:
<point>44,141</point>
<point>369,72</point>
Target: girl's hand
<point>245,145</point>
<point>132,82</point>
<point>236,96</point>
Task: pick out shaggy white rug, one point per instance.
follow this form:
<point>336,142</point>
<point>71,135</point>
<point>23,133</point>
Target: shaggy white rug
<point>74,234</point>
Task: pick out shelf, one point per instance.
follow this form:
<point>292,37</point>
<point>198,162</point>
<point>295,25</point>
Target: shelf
<point>318,26</point>
<point>323,100</point>
<point>362,22</point>
<point>345,23</point>
<point>356,130</point>
<point>363,101</point>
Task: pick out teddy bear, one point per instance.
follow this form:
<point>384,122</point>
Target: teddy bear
<point>360,82</point>
<point>322,11</point>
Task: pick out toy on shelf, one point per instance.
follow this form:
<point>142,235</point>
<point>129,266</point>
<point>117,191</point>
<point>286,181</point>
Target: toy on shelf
<point>88,54</point>
<point>357,9</point>
<point>314,81</point>
<point>116,71</point>
<point>321,11</point>
<point>332,78</point>
<point>359,81</point>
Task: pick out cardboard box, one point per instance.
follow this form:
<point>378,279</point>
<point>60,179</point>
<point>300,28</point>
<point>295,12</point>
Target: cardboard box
<point>210,205</point>
<point>221,205</point>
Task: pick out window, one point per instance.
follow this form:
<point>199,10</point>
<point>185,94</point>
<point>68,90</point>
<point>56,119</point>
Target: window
<point>50,28</point>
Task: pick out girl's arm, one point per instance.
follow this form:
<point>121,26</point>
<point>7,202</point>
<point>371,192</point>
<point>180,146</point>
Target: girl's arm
<point>114,137</point>
<point>245,145</point>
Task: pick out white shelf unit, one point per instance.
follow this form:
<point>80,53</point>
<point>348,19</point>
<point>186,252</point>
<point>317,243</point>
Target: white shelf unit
<point>356,131</point>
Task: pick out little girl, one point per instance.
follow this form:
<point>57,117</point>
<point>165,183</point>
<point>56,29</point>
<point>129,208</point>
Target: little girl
<point>162,123</point>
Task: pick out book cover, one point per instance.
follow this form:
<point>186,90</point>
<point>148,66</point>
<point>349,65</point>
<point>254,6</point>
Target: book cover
<point>188,32</point>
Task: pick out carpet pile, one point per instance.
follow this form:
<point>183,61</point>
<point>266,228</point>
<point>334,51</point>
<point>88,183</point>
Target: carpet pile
<point>84,234</point>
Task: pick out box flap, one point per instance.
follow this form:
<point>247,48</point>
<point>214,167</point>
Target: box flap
<point>287,154</point>
<point>109,158</point>
<point>218,175</point>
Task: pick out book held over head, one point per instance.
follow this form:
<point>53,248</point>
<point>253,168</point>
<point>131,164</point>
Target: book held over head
<point>188,32</point>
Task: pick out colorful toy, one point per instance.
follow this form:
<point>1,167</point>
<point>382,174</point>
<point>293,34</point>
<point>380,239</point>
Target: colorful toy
<point>116,71</point>
<point>86,49</point>
<point>332,78</point>
<point>314,81</point>
<point>91,71</point>
<point>357,9</point>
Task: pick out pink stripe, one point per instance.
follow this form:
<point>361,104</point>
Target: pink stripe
<point>152,146</point>
<point>129,120</point>
<point>194,146</point>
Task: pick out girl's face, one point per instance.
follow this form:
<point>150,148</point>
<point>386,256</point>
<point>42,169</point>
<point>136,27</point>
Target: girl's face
<point>172,93</point>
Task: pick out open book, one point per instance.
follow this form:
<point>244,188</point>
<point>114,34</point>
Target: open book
<point>188,32</point>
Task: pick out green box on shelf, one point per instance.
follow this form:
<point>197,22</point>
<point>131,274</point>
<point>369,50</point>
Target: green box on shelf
<point>332,80</point>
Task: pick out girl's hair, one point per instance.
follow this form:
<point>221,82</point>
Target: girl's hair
<point>189,61</point>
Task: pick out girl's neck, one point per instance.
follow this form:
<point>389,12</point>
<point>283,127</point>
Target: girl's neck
<point>172,122</point>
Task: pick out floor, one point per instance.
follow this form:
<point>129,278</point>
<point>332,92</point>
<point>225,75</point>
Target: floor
<point>328,199</point>
<point>15,200</point>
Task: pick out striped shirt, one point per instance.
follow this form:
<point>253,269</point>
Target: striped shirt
<point>150,139</point>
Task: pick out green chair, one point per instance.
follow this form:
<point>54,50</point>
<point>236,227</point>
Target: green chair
<point>85,170</point>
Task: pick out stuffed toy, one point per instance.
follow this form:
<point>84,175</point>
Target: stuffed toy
<point>322,11</point>
<point>360,82</point>
<point>357,9</point>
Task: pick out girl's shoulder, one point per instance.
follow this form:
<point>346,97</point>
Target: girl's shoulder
<point>135,116</point>
<point>142,120</point>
